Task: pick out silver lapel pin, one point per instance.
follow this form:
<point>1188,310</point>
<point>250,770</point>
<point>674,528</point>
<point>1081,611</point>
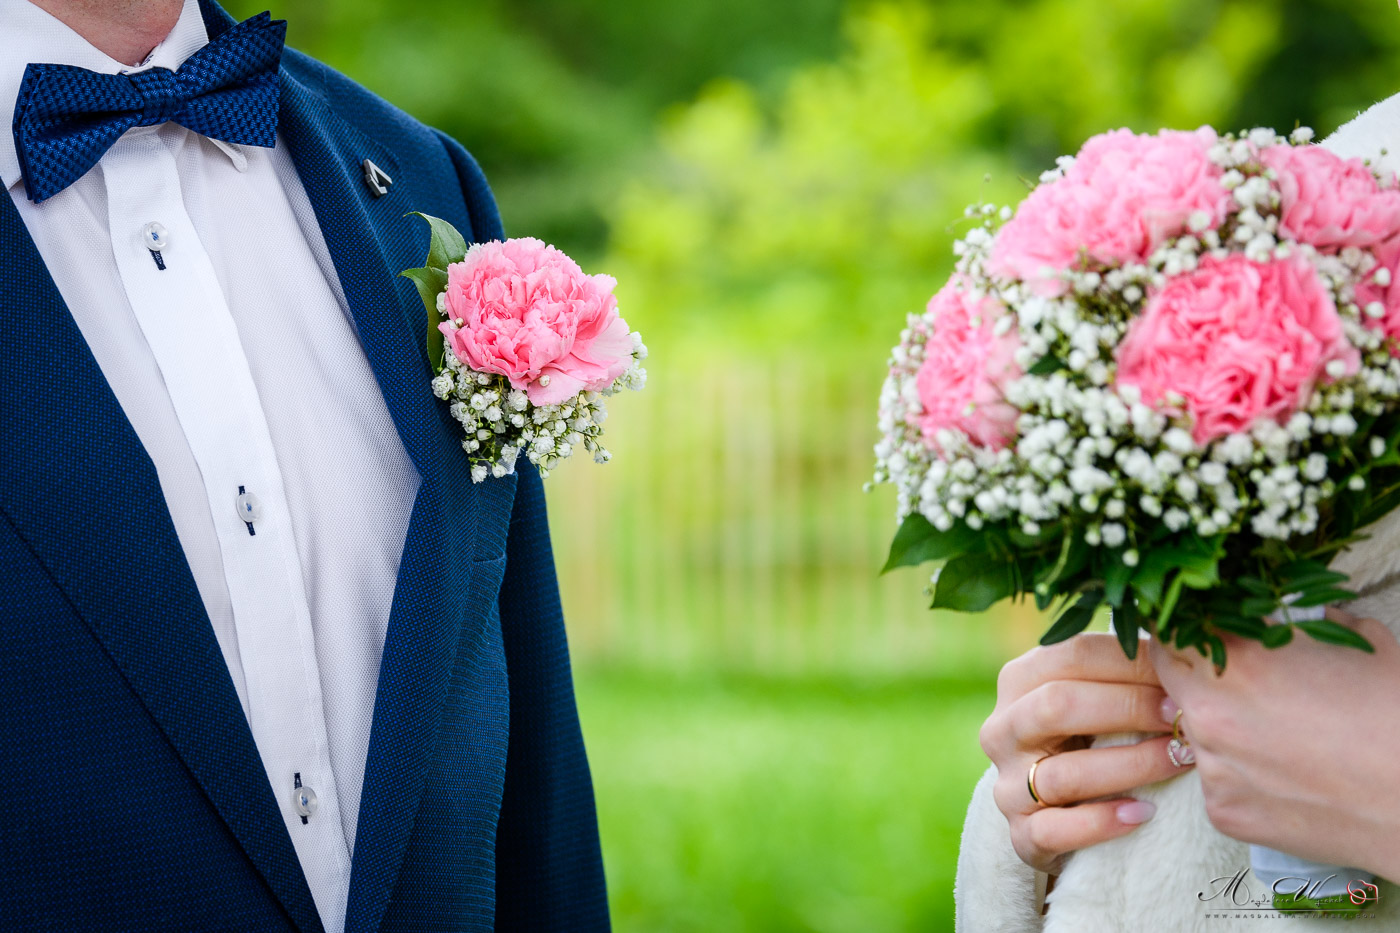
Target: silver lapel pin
<point>376,180</point>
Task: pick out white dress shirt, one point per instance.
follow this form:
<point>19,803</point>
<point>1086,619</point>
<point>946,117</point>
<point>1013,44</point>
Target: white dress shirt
<point>239,367</point>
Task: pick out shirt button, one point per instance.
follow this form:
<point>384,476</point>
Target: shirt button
<point>249,508</point>
<point>305,801</point>
<point>156,236</point>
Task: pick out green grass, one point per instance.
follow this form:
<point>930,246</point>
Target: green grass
<point>760,804</point>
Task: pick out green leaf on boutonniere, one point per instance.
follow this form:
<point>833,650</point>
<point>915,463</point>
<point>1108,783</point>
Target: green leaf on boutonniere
<point>917,542</point>
<point>972,583</point>
<point>445,247</point>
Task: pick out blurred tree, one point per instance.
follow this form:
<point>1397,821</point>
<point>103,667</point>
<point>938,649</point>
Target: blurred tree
<point>823,216</point>
<point>556,99</point>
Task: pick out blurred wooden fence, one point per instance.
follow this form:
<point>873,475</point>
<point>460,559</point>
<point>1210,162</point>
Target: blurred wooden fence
<point>731,532</point>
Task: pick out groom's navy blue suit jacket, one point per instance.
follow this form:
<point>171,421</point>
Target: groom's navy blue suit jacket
<point>131,792</point>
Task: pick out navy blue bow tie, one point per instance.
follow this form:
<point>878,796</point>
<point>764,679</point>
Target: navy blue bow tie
<point>67,117</point>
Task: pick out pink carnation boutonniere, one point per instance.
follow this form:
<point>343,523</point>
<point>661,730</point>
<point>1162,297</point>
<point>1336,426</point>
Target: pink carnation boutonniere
<point>524,347</point>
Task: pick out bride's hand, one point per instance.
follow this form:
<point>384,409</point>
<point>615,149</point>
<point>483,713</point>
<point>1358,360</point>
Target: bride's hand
<point>1299,746</point>
<point>1053,700</point>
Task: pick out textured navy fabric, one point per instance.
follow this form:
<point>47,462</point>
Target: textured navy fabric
<point>66,117</point>
<point>131,793</point>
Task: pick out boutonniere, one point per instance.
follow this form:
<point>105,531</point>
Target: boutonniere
<point>524,347</point>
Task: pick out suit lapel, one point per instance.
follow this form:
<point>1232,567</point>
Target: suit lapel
<point>121,564</point>
<point>369,240</point>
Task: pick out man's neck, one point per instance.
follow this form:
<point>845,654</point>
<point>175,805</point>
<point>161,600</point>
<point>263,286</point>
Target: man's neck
<point>126,30</point>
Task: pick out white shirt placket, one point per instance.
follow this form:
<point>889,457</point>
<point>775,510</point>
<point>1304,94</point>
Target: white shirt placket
<point>186,320</point>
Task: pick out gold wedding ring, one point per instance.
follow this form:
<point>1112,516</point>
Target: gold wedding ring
<point>1030,782</point>
<point>1176,729</point>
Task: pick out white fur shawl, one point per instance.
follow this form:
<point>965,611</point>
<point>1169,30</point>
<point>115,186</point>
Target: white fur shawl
<point>1149,879</point>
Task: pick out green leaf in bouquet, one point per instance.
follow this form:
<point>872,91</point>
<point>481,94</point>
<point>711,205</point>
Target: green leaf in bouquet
<point>445,246</point>
<point>1381,505</point>
<point>1258,606</point>
<point>1072,559</point>
<point>1169,601</point>
<point>1256,586</point>
<point>1074,619</point>
<point>1335,633</point>
<point>1322,597</point>
<point>1276,636</point>
<point>1126,621</point>
<point>1194,563</point>
<point>1203,575</point>
<point>1245,625</point>
<point>973,583</point>
<point>1334,545</point>
<point>1391,457</point>
<point>1217,653</point>
<point>1116,578</point>
<point>1047,365</point>
<point>1047,536</point>
<point>918,542</point>
<point>1308,581</point>
<point>1299,569</point>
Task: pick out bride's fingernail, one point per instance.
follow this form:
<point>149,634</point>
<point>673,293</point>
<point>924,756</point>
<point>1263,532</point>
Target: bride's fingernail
<point>1136,811</point>
<point>1169,710</point>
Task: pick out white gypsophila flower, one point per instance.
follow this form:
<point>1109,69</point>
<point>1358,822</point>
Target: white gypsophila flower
<point>1213,474</point>
<point>444,385</point>
<point>1179,441</point>
<point>1175,519</point>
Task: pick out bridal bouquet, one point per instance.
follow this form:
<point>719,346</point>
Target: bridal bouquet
<point>1168,383</point>
<point>524,347</point>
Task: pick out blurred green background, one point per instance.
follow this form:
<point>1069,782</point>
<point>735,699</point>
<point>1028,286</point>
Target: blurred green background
<point>781,740</point>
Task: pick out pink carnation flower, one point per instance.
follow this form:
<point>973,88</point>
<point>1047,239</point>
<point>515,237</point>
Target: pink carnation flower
<point>1238,340</point>
<point>1331,202</point>
<point>529,313</point>
<point>965,367</point>
<point>1388,296</point>
<point>1123,197</point>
